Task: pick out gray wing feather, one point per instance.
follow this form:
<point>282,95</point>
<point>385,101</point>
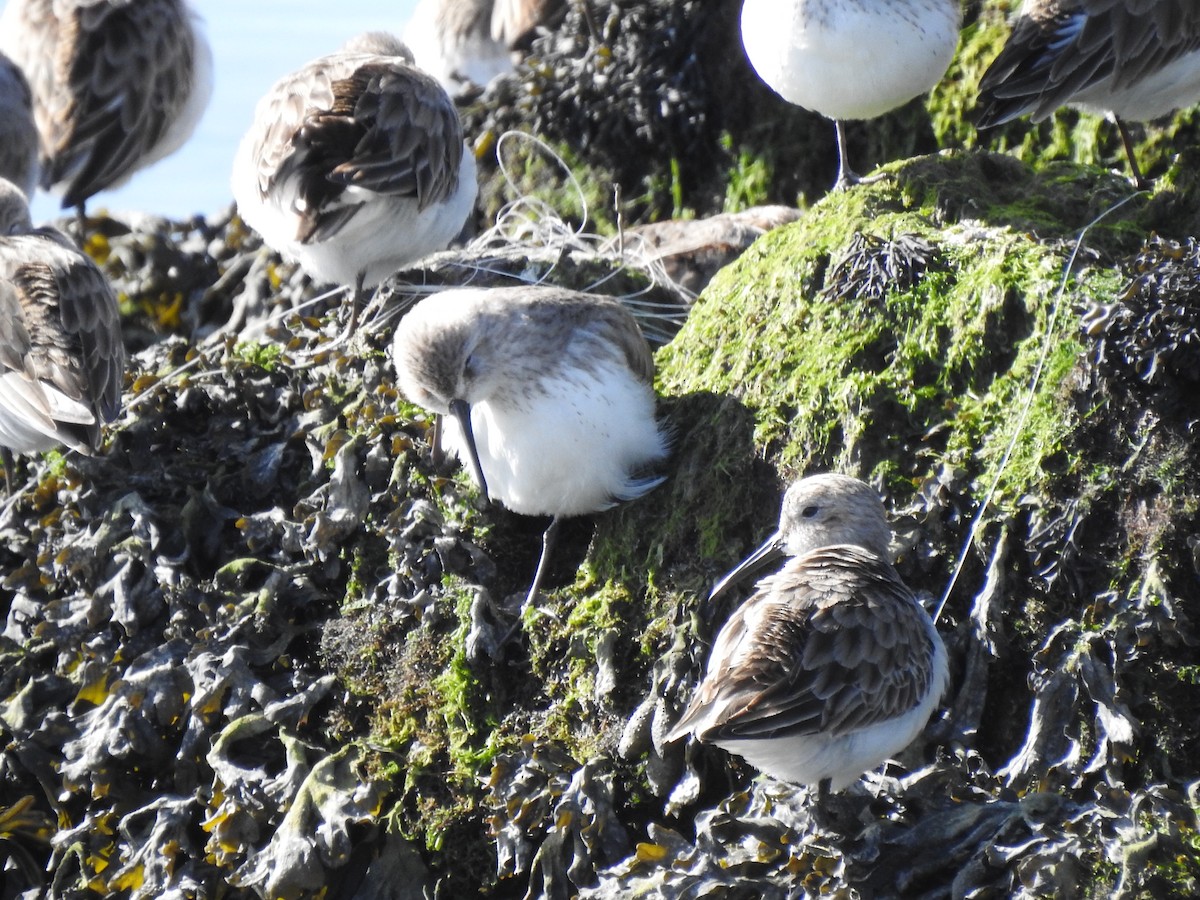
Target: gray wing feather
<point>1066,48</point>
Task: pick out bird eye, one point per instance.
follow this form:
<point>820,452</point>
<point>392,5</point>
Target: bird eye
<point>810,512</point>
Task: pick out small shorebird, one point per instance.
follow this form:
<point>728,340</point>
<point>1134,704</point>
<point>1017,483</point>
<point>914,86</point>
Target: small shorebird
<point>18,133</point>
<point>452,41</point>
<point>469,42</point>
<point>850,59</point>
<point>117,85</point>
<point>355,165</point>
<point>832,665</point>
<point>61,356</point>
<point>544,391</point>
<point>515,22</point>
<point>1132,60</point>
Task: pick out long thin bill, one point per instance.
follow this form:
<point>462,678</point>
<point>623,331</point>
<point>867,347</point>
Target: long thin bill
<point>461,410</point>
<point>770,551</point>
<point>437,450</point>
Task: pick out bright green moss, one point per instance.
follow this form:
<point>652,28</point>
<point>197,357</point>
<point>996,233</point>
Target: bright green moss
<point>787,365</point>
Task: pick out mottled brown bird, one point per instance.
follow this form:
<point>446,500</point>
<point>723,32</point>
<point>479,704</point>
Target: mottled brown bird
<point>355,165</point>
<point>832,665</point>
<point>61,356</point>
<point>117,85</point>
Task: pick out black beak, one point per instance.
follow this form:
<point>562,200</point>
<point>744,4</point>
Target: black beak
<point>461,410</point>
<point>437,453</point>
<point>770,551</point>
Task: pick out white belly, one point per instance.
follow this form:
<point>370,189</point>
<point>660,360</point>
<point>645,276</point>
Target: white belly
<point>570,450</point>
<point>850,59</point>
<point>452,52</point>
<point>1173,87</point>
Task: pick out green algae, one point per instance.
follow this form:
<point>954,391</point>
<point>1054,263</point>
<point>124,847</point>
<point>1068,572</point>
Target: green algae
<point>265,355</point>
<point>846,382</point>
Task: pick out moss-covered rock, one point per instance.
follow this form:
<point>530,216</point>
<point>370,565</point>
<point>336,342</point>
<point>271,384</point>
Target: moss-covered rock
<point>924,332</point>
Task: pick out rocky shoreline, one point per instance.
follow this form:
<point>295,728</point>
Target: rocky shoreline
<point>251,650</point>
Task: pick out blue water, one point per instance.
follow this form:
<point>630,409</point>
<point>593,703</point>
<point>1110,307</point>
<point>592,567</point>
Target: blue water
<point>254,42</point>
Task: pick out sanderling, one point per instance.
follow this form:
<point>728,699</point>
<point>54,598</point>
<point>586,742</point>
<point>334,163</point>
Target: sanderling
<point>61,356</point>
<point>832,665</point>
<point>116,85</point>
<point>850,59</point>
<point>516,22</point>
<point>18,133</point>
<point>1133,60</point>
<point>544,391</point>
<point>355,165</point>
<point>452,41</point>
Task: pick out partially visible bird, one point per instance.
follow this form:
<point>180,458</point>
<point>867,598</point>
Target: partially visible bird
<point>467,43</point>
<point>515,22</point>
<point>355,165</point>
<point>547,394</point>
<point>832,665</point>
<point>117,85</point>
<point>452,41</point>
<point>1132,60</point>
<point>850,59</point>
<point>61,356</point>
<point>18,133</point>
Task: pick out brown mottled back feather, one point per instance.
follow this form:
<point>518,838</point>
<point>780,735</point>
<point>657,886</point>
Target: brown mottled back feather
<point>840,645</point>
<point>364,126</point>
<point>62,329</point>
<point>95,132</point>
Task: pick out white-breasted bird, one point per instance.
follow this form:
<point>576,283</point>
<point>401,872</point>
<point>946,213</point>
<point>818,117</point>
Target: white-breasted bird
<point>547,394</point>
<point>452,40</point>
<point>832,665</point>
<point>850,59</point>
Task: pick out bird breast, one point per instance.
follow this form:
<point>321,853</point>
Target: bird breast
<point>567,444</point>
<point>850,60</point>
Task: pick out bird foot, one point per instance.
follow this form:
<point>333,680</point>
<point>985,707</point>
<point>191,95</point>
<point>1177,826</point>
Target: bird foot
<point>848,179</point>
<point>529,604</point>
